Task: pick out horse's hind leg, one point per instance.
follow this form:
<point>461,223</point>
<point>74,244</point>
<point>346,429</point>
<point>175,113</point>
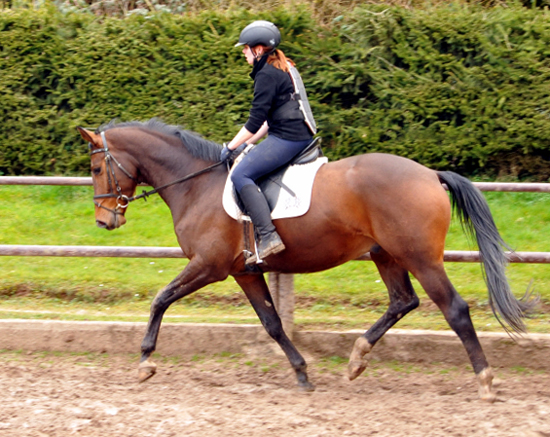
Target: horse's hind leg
<point>457,313</point>
<point>258,294</point>
<point>403,299</point>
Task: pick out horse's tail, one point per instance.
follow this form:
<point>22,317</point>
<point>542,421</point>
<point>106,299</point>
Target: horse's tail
<point>477,221</point>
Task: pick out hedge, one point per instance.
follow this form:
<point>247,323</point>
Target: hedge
<point>453,86</point>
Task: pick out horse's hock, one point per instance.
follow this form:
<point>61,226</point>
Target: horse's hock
<point>186,340</point>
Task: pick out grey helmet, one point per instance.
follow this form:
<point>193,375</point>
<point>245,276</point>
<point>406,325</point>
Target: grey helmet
<point>260,32</point>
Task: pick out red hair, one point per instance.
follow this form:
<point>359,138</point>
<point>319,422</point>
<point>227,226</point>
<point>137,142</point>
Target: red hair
<point>277,58</point>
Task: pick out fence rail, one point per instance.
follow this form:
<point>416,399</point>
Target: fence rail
<point>532,187</point>
<point>176,252</point>
<point>44,180</point>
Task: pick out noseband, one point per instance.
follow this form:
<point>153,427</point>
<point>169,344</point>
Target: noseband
<point>122,200</point>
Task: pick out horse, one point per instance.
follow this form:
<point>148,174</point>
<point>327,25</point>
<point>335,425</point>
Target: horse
<point>390,206</point>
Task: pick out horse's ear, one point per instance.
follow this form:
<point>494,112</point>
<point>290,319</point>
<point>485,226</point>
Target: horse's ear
<point>89,136</point>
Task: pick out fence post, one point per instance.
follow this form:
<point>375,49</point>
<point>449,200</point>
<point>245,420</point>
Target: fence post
<point>281,286</point>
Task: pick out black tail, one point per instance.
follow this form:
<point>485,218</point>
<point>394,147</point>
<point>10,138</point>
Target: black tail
<point>475,216</point>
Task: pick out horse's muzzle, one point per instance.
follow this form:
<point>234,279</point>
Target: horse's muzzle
<point>118,221</point>
<point>101,224</point>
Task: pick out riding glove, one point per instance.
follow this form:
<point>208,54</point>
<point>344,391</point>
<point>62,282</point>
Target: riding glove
<point>227,153</point>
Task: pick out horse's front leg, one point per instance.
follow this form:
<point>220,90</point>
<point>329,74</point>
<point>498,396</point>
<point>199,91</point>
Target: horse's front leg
<point>257,292</point>
<point>192,278</point>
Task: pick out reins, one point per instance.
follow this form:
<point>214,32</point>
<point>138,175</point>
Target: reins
<point>146,194</point>
<point>122,200</point>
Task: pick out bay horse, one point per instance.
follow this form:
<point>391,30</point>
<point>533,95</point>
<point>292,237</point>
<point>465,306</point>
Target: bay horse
<point>390,206</point>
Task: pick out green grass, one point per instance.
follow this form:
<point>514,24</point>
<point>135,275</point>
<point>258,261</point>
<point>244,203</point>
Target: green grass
<point>350,296</point>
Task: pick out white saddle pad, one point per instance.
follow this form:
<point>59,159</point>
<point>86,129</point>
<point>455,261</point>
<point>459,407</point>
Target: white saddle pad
<point>299,178</point>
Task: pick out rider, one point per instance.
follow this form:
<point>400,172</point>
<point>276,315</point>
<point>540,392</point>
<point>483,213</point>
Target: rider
<point>276,112</point>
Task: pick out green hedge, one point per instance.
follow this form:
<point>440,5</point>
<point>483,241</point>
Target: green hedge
<point>452,86</point>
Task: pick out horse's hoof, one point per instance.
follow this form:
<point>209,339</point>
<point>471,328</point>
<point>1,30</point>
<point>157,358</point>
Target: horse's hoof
<point>357,364</point>
<point>486,393</point>
<point>146,370</point>
<point>355,368</point>
<point>485,379</point>
<point>488,397</point>
<point>306,387</point>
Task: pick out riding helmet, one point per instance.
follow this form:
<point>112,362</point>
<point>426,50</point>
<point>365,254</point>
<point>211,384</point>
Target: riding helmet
<point>260,32</point>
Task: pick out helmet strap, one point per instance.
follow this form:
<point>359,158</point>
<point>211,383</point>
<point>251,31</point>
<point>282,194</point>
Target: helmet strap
<point>259,56</point>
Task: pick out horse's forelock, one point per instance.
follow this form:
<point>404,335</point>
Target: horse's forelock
<point>196,145</point>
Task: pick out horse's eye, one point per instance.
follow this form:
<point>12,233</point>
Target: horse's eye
<point>96,170</point>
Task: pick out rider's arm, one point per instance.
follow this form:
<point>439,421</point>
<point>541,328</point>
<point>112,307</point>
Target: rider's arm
<point>260,134</point>
<point>245,136</point>
<point>242,137</point>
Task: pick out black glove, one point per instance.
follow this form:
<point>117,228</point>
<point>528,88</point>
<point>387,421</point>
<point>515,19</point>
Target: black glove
<point>239,150</point>
<point>225,153</point>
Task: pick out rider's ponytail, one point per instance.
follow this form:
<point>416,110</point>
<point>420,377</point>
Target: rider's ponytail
<point>278,59</point>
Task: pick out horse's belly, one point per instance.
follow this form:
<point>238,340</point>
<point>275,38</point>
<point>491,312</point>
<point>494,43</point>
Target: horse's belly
<point>322,258</point>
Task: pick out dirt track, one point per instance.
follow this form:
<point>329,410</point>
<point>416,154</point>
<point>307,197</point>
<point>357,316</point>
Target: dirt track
<point>97,395</point>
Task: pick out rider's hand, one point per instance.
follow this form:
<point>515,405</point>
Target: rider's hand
<point>225,153</point>
<point>239,150</point>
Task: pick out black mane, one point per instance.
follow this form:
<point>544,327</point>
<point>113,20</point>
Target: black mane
<point>197,146</point>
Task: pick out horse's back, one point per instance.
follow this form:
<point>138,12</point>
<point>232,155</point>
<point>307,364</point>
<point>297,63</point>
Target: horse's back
<point>379,175</point>
<point>382,165</point>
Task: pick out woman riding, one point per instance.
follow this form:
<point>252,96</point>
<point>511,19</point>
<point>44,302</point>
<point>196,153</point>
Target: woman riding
<point>276,111</point>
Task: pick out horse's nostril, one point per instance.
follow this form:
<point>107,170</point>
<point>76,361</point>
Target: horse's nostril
<point>101,224</point>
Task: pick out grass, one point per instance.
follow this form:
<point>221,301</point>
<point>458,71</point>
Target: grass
<point>348,297</point>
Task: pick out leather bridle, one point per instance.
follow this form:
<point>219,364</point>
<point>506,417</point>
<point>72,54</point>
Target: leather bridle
<point>122,200</point>
<point>110,161</point>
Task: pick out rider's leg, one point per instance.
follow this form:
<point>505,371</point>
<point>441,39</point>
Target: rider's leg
<point>257,207</point>
<point>269,155</point>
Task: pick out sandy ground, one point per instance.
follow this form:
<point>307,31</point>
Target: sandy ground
<point>55,395</point>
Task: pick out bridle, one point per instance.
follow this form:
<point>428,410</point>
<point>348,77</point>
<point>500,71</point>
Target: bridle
<point>122,200</point>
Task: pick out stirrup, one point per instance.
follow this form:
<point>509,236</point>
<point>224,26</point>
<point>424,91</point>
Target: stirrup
<point>256,259</point>
<point>251,260</point>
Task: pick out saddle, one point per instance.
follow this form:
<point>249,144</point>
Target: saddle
<point>287,190</point>
<point>272,183</point>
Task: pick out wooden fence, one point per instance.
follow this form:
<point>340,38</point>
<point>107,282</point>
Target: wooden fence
<point>281,285</point>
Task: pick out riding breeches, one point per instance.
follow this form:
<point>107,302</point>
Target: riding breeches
<point>265,157</point>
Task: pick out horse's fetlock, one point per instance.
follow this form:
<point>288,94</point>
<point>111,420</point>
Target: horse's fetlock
<point>147,349</point>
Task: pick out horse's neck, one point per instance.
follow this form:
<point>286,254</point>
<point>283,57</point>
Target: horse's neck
<point>160,163</point>
<point>163,164</point>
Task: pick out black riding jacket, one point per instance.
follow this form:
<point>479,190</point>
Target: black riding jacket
<point>272,89</point>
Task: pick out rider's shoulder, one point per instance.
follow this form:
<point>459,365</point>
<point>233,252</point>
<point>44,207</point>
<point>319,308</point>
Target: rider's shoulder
<point>271,71</point>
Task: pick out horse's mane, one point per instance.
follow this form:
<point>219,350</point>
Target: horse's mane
<point>197,146</point>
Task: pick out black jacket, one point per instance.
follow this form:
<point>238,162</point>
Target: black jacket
<point>272,88</point>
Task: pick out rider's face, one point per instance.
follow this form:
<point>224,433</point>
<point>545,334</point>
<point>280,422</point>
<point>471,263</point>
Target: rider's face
<point>247,51</point>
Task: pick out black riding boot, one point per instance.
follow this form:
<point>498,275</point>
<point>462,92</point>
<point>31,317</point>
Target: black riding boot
<point>257,207</point>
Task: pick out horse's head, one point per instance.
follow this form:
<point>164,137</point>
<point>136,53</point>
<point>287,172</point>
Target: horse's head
<point>113,178</point>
